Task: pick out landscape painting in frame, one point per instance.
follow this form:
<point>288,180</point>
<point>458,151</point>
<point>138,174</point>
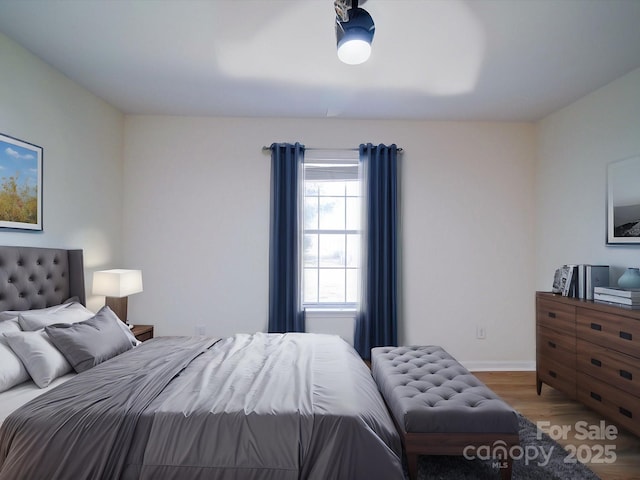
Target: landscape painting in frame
<point>623,209</point>
<point>20,184</point>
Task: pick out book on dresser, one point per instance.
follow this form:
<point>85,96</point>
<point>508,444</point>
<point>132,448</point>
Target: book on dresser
<point>618,296</point>
<point>569,280</point>
<point>591,277</point>
<point>617,301</point>
<point>580,280</point>
<point>618,292</point>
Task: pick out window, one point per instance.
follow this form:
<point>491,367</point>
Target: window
<point>331,236</point>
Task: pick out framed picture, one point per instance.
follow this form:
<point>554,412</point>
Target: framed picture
<point>20,184</point>
<point>623,202</point>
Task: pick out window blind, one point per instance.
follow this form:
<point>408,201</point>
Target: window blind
<point>331,165</point>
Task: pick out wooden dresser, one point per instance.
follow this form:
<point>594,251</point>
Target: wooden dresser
<point>591,352</point>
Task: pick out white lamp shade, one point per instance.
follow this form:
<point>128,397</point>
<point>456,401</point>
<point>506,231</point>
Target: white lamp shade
<point>117,283</point>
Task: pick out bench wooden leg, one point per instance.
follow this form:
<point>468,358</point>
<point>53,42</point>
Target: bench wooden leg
<point>412,464</point>
<point>505,473</point>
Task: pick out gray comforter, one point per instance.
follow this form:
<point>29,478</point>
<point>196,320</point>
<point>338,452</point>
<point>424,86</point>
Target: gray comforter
<point>248,407</point>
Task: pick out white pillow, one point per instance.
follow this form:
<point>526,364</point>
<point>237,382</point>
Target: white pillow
<point>42,360</point>
<point>12,371</point>
<point>67,313</point>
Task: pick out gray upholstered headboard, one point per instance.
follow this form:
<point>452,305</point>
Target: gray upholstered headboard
<point>33,277</point>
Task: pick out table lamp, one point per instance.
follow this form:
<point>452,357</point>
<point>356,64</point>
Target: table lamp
<point>116,285</point>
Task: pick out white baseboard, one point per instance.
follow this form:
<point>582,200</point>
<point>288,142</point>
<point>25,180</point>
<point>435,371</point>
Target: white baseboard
<point>499,366</point>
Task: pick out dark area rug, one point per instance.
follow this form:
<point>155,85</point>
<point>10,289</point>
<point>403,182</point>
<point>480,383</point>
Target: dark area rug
<point>547,461</point>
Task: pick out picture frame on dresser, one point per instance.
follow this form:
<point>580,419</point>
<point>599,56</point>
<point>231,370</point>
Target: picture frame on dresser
<point>20,184</point>
<point>623,202</point>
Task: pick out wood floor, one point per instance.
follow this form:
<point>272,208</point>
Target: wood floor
<point>519,390</point>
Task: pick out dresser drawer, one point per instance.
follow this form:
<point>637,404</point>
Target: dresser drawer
<point>557,375</point>
<point>613,331</point>
<point>612,367</point>
<point>556,315</point>
<point>559,347</point>
<point>619,406</point>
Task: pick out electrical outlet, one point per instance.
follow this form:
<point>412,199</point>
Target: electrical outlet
<point>481,332</point>
<point>199,330</point>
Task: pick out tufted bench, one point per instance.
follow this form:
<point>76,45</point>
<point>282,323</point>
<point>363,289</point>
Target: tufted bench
<point>439,407</point>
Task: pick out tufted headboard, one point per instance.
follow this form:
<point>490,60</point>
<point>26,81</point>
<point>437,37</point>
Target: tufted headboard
<point>33,277</point>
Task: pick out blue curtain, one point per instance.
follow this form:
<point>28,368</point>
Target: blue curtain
<point>285,310</point>
<point>377,322</point>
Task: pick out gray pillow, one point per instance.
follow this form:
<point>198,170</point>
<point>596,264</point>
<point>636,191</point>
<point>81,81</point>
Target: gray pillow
<point>91,342</point>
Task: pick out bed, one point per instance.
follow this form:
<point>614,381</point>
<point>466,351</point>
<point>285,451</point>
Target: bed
<point>251,406</point>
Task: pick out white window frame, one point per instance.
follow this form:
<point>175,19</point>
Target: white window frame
<point>330,157</point>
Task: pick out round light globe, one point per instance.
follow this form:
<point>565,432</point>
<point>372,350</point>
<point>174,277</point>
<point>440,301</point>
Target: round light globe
<point>354,52</point>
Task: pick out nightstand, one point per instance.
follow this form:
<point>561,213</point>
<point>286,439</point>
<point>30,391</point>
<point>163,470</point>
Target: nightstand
<point>142,332</point>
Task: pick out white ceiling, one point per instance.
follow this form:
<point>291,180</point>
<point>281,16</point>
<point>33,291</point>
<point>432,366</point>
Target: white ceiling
<point>432,59</point>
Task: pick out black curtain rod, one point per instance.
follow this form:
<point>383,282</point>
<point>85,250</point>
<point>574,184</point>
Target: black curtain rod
<point>265,148</point>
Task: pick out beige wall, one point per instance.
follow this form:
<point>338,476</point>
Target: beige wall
<point>196,220</point>
<point>575,146</point>
<point>82,160</point>
<point>489,210</point>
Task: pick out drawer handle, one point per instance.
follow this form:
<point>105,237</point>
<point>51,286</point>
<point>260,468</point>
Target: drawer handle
<point>595,326</point>
<point>553,374</point>
<point>625,412</point>
<point>626,336</point>
<point>552,344</point>
<point>551,315</point>
<point>595,396</point>
<point>625,374</point>
<point>596,362</point>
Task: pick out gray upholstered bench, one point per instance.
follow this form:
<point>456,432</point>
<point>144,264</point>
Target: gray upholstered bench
<point>439,407</point>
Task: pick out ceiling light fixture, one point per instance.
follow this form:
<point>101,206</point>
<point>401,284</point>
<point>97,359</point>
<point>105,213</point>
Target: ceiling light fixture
<point>354,33</point>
